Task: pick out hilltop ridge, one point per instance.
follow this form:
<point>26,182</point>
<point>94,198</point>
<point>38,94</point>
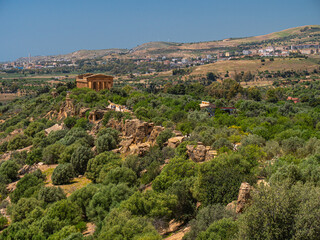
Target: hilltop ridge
<point>309,34</point>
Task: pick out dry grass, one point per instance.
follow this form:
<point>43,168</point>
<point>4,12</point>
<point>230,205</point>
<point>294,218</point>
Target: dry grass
<point>279,64</point>
<point>76,183</point>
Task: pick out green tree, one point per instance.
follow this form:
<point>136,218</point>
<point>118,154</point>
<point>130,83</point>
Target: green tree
<point>205,217</point>
<point>9,170</point>
<point>83,196</point>
<point>121,175</point>
<point>177,169</point>
<point>80,158</point>
<point>66,211</point>
<point>163,137</point>
<point>34,156</point>
<point>151,204</point>
<point>51,194</point>
<point>225,228</point>
<point>62,174</point>
<point>18,142</point>
<point>3,222</point>
<point>106,198</point>
<point>106,161</point>
<point>219,179</point>
<point>105,142</point>
<point>34,128</point>
<point>120,224</point>
<point>70,122</point>
<point>28,186</point>
<point>22,208</point>
<point>51,154</point>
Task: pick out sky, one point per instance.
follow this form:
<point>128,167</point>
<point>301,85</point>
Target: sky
<point>50,27</point>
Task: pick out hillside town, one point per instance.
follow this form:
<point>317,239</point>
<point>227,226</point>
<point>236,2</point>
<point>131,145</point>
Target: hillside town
<point>51,62</point>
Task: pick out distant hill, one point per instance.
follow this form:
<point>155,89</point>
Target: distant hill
<point>299,35</point>
<point>81,54</point>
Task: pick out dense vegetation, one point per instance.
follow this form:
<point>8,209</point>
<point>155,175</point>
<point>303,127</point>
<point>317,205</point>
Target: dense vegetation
<point>276,140</point>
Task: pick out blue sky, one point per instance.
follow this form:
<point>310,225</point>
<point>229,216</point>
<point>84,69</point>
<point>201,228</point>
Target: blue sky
<point>47,27</point>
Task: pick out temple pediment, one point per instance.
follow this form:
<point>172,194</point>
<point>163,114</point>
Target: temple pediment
<point>94,81</point>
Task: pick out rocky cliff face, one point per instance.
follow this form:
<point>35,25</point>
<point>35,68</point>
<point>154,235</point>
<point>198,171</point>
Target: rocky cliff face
<point>137,136</point>
<point>244,197</point>
<point>200,153</point>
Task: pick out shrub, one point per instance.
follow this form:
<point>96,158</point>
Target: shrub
<point>34,128</point>
<point>62,174</point>
<point>106,161</point>
<point>151,204</point>
<point>222,142</point>
<point>105,142</point>
<point>291,145</point>
<point>18,142</point>
<point>163,137</point>
<point>83,196</point>
<point>219,180</point>
<point>186,209</point>
<point>106,198</point>
<point>205,217</point>
<point>3,222</point>
<point>56,136</point>
<point>121,224</point>
<point>51,194</point>
<point>77,134</point>
<point>9,169</point>
<point>34,156</point>
<point>66,211</point>
<point>253,140</point>
<point>63,233</point>
<point>282,211</point>
<point>82,123</point>
<point>70,122</point>
<point>3,147</point>
<point>65,156</point>
<point>51,154</point>
<point>28,186</point>
<point>111,131</point>
<point>22,208</point>
<point>177,169</point>
<point>225,228</point>
<point>120,175</point>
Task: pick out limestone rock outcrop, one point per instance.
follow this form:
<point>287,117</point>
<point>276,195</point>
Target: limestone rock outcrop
<point>139,130</point>
<point>139,149</point>
<point>155,133</point>
<point>200,153</point>
<point>27,169</point>
<point>137,136</point>
<point>244,196</point>
<point>54,128</point>
<point>67,108</point>
<point>125,144</point>
<point>232,206</point>
<point>175,141</point>
<point>115,124</point>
